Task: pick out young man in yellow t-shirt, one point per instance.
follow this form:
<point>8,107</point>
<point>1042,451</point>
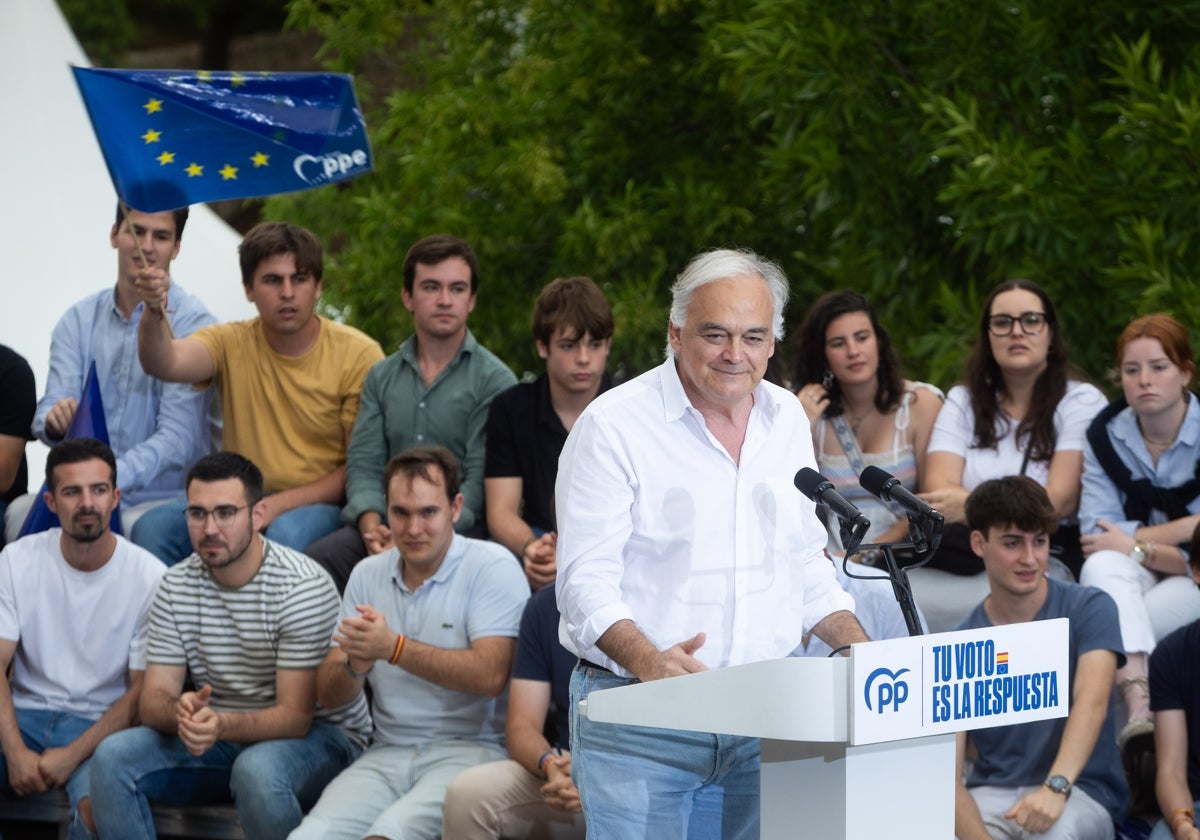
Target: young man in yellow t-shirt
<point>289,382</point>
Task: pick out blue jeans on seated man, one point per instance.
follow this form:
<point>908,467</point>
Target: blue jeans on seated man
<point>42,730</point>
<point>638,781</point>
<point>272,782</point>
<point>163,530</point>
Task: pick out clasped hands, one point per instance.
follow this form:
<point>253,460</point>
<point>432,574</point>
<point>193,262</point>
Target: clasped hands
<point>559,792</point>
<point>32,772</point>
<point>365,637</point>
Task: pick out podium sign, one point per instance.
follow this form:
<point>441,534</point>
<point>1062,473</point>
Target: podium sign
<point>968,679</point>
<point>862,748</point>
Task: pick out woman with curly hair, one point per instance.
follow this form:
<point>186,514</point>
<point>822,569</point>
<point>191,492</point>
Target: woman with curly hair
<point>862,411</point>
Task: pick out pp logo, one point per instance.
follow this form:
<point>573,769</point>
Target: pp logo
<point>316,170</point>
<point>891,690</point>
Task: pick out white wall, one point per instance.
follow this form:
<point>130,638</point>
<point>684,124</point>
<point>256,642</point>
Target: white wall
<point>59,202</point>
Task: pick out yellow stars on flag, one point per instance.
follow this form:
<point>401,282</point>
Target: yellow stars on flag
<point>204,75</point>
<point>194,170</point>
<point>153,106</point>
<point>228,173</point>
<point>151,136</point>
<point>236,80</point>
<point>165,158</point>
<point>259,159</point>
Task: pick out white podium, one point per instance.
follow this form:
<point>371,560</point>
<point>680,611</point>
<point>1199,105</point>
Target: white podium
<point>862,747</point>
<point>814,782</point>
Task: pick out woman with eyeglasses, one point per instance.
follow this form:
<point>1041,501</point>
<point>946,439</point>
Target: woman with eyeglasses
<point>862,411</point>
<point>1141,491</point>
<point>1019,412</point>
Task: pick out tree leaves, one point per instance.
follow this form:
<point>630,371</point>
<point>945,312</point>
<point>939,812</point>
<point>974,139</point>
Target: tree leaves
<point>919,153</point>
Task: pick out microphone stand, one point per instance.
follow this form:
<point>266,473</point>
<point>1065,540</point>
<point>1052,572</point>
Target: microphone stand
<point>924,544</point>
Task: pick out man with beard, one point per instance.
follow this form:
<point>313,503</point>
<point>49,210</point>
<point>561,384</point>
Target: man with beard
<point>74,603</point>
<point>249,620</point>
<point>156,430</point>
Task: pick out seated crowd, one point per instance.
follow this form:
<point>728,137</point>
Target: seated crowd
<point>317,612</point>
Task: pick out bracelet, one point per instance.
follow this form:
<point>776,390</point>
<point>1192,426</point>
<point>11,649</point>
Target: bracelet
<point>546,756</point>
<point>395,657</point>
<point>1178,816</point>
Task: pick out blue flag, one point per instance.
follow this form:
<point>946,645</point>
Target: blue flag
<point>178,137</point>
<point>88,422</point>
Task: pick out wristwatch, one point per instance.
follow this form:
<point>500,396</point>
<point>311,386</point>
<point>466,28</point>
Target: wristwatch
<point>1058,784</point>
<point>1139,554</point>
<point>354,674</point>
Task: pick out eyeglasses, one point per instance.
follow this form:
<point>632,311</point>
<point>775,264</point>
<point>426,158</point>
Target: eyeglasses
<point>221,514</point>
<point>1032,323</point>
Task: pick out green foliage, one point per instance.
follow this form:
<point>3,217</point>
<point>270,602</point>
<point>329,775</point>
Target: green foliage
<point>105,31</point>
<point>919,152</point>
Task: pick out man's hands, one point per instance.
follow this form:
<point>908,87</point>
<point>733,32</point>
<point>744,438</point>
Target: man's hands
<point>1038,811</point>
<point>675,660</point>
<point>29,772</point>
<point>152,285</point>
<point>24,773</point>
<point>56,766</point>
<point>559,792</point>
<point>375,533</point>
<point>365,638</point>
<point>199,724</point>
<point>538,560</point>
<point>60,416</point>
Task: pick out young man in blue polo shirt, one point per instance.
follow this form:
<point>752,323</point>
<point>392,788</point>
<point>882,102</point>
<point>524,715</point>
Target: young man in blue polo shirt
<point>431,625</point>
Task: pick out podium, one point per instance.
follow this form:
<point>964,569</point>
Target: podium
<point>814,782</point>
<point>863,746</point>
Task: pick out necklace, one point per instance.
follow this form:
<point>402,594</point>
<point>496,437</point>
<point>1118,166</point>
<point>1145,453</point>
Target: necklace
<point>1157,444</point>
<point>855,422</point>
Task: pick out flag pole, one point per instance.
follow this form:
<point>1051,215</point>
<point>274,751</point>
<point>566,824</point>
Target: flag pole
<point>137,244</point>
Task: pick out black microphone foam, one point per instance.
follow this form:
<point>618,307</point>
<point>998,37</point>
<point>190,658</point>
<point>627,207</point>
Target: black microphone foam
<point>886,486</point>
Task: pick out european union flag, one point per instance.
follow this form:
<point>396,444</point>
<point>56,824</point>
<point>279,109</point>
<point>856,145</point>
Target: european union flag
<point>88,422</point>
<point>177,137</point>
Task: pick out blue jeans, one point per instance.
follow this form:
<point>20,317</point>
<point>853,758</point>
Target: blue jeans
<point>638,781</point>
<point>272,782</point>
<point>163,530</point>
<point>42,730</point>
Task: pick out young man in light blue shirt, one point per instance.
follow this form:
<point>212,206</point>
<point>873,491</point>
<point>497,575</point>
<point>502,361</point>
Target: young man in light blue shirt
<point>157,429</point>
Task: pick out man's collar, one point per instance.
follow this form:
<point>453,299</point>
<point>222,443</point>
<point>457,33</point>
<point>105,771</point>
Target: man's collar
<point>408,348</point>
<point>676,402</point>
<point>454,555</point>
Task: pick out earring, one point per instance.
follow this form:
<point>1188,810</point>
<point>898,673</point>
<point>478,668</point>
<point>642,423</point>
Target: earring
<point>827,379</point>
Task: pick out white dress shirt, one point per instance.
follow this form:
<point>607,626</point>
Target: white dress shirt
<point>658,525</point>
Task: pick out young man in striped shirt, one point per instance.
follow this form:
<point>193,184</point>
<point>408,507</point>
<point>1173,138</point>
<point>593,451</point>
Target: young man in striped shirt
<point>250,621</point>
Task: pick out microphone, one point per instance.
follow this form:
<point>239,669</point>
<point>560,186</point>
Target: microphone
<point>886,486</point>
<point>817,488</point>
